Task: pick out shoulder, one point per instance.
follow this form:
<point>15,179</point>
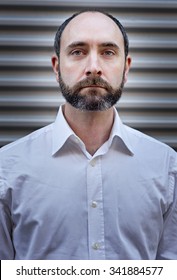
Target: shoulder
<point>145,139</point>
<point>148,147</point>
<point>21,145</point>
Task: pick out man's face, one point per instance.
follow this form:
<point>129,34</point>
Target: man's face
<point>92,67</point>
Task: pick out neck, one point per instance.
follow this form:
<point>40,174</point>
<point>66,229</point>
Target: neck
<point>93,128</point>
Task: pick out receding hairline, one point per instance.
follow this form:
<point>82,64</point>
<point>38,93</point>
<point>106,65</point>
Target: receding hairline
<point>66,23</point>
<point>91,12</point>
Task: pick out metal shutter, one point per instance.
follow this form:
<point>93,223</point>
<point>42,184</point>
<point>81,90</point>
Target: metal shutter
<point>29,96</point>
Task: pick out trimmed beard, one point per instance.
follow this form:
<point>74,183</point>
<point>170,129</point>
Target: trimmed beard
<point>94,99</point>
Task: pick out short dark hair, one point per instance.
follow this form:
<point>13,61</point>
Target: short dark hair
<point>65,23</point>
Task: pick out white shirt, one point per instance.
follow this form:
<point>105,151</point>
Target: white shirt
<point>59,202</point>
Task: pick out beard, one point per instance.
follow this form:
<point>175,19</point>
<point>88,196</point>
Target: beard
<point>99,97</point>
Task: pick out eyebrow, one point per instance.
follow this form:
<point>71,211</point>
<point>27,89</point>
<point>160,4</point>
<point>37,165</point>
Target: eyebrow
<point>84,44</point>
<point>110,45</point>
<point>76,45</point>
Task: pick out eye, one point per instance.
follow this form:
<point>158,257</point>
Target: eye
<point>77,53</point>
<point>108,53</point>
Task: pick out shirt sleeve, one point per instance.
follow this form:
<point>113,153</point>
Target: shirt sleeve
<point>167,249</point>
<point>6,244</point>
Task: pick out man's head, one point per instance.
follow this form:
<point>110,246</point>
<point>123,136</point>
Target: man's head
<point>91,61</point>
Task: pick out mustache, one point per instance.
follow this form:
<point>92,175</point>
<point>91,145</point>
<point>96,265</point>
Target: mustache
<point>92,81</point>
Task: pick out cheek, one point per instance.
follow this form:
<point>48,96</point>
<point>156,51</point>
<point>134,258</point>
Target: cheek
<point>70,74</point>
<point>67,76</point>
<point>115,76</point>
<point>115,71</point>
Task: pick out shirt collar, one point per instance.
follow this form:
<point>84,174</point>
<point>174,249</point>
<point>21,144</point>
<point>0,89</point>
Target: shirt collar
<point>119,131</point>
<point>62,132</point>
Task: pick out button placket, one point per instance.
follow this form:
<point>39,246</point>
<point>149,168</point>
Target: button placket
<point>95,210</point>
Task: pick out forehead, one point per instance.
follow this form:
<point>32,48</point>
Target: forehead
<point>91,27</point>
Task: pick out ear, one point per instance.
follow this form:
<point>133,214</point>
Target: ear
<point>55,65</point>
<point>127,67</point>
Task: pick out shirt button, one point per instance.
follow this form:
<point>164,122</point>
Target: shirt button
<point>94,204</point>
<point>93,162</point>
<point>96,246</point>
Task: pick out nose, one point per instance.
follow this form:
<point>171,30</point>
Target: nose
<point>93,66</point>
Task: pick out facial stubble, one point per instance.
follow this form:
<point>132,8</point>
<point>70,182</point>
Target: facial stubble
<point>98,96</point>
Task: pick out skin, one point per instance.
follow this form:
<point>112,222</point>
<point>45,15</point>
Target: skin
<point>91,44</point>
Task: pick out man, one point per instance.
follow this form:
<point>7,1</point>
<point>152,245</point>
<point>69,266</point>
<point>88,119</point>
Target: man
<point>87,186</point>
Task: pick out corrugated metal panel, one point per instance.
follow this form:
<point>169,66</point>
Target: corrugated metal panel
<point>29,96</point>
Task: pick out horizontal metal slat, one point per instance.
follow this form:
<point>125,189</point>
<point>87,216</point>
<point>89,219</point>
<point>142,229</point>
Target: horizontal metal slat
<point>33,119</point>
<point>30,102</point>
<point>148,22</point>
<point>91,3</point>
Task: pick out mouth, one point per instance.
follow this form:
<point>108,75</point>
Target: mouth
<point>94,86</point>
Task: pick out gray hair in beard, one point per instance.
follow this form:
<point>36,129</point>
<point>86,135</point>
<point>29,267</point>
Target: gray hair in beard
<point>93,100</point>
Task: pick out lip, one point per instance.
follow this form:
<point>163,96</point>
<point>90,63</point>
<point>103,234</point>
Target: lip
<point>94,86</point>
